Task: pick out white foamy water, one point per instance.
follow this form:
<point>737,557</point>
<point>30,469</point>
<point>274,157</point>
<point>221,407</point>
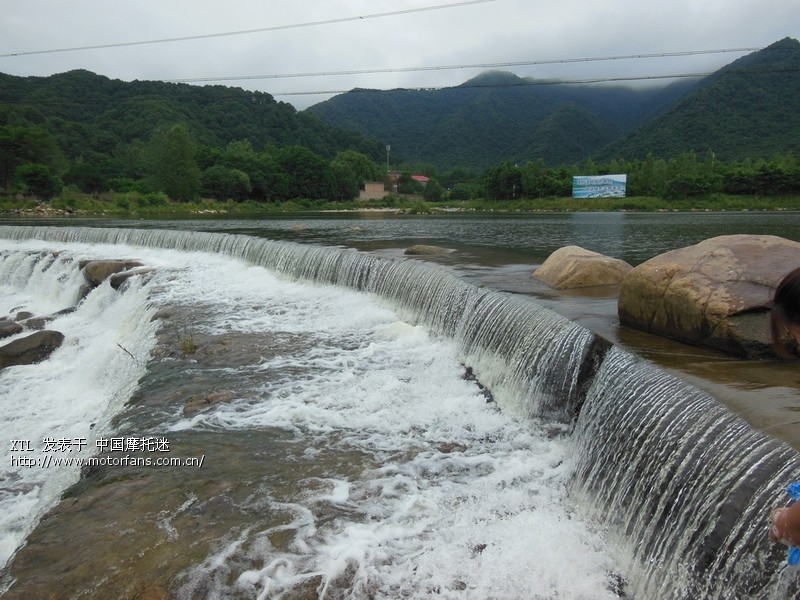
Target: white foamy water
<point>440,493</point>
<point>69,398</point>
<point>457,498</point>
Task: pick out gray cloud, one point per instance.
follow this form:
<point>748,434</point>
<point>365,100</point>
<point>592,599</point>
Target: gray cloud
<point>491,32</point>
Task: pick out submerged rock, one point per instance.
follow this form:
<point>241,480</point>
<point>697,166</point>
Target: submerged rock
<point>97,271</point>
<point>9,328</point>
<point>38,323</point>
<point>717,293</point>
<point>198,402</point>
<point>575,267</point>
<point>30,349</point>
<point>117,280</point>
<point>425,250</point>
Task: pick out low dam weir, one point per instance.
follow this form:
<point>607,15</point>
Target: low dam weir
<point>679,487</point>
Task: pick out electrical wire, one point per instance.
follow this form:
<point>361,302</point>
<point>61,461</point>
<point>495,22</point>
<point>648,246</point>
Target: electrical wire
<point>496,65</point>
<point>518,84</point>
<point>393,13</point>
<point>522,83</point>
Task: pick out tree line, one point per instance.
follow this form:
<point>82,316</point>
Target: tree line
<point>171,162</point>
<point>684,176</point>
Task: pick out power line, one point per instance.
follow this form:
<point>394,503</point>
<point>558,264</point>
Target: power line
<point>520,83</point>
<point>524,83</point>
<point>537,82</point>
<point>394,13</point>
<point>458,67</point>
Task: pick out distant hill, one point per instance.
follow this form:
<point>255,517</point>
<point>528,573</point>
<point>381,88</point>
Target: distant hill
<point>88,112</point>
<point>751,108</point>
<point>748,109</point>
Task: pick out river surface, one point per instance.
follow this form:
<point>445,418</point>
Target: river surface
<point>345,452</point>
<point>500,251</point>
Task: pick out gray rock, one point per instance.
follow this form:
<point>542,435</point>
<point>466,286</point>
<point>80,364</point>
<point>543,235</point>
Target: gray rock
<point>9,328</point>
<point>97,271</point>
<point>30,349</point>
<point>717,293</point>
<point>38,323</point>
<point>117,280</point>
<point>573,267</point>
<point>424,250</point>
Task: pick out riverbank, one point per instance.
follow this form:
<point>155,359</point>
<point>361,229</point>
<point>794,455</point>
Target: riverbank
<point>158,205</point>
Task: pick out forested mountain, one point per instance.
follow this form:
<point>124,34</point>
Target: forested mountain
<point>740,112</point>
<point>95,134</point>
<point>102,111</point>
<point>101,134</point>
<point>748,109</point>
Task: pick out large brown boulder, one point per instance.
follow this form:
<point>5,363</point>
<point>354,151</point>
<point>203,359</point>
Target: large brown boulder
<point>97,271</point>
<point>30,349</point>
<point>575,267</point>
<point>716,293</point>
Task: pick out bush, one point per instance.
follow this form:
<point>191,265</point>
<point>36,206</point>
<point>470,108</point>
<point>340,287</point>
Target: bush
<point>38,180</point>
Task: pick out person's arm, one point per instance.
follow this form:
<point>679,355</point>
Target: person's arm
<point>785,527</point>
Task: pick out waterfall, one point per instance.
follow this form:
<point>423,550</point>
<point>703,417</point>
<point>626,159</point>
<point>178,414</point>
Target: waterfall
<point>665,466</point>
<point>679,484</point>
<point>530,357</point>
<point>76,392</point>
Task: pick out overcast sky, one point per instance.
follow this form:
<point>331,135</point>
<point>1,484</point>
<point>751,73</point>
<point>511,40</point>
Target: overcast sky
<point>333,36</point>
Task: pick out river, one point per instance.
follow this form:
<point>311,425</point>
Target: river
<point>345,453</point>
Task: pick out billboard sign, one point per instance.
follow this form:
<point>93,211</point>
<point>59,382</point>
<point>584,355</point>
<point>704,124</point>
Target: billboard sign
<point>599,186</point>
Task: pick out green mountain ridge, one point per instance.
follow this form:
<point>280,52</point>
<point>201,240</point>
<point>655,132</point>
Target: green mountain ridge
<point>748,109</point>
<point>93,113</point>
<point>78,122</point>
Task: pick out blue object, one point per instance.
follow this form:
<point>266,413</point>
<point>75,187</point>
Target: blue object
<point>793,555</point>
<point>793,489</point>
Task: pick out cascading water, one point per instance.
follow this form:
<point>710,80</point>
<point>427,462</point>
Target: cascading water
<point>666,467</point>
<point>680,488</point>
<point>73,395</point>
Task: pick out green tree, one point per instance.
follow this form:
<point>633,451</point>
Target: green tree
<point>533,179</point>
<point>433,192</point>
<point>344,181</point>
<point>349,171</point>
<point>173,167</point>
<point>503,182</point>
<point>407,185</point>
<point>21,145</point>
<point>308,174</point>
<point>223,183</point>
<point>461,191</point>
<point>38,180</point>
<point>361,165</point>
<point>270,182</point>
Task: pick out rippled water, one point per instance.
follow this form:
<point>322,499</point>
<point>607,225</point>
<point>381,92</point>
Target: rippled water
<point>343,453</point>
<point>343,450</point>
<point>486,239</point>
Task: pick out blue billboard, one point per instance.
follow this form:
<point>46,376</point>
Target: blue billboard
<point>599,186</point>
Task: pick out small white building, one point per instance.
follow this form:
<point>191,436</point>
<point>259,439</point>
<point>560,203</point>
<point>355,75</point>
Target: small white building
<point>372,190</point>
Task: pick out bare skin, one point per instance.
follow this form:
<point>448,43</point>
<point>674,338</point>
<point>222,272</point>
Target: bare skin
<point>785,331</point>
<point>785,527</point>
